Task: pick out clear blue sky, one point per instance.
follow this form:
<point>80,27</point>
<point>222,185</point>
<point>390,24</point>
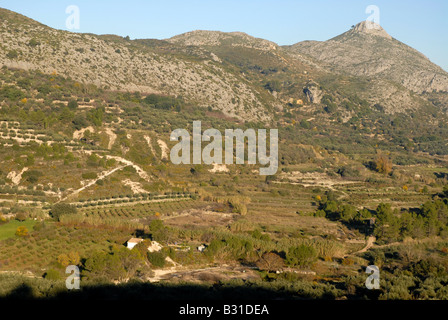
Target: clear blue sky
<point>421,24</point>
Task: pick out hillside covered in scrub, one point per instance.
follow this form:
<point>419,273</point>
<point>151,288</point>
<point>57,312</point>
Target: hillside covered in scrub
<point>85,124</point>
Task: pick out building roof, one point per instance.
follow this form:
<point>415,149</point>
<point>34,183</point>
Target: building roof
<point>135,240</point>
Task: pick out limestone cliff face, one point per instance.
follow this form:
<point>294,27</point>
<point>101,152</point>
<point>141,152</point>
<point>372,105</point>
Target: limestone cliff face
<point>313,92</point>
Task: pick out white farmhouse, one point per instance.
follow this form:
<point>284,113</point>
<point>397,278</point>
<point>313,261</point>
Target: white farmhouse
<point>153,247</point>
<point>133,242</point>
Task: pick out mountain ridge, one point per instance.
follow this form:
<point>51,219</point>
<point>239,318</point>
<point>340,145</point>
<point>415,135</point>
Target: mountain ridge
<point>126,65</point>
<point>213,38</point>
<point>230,72</point>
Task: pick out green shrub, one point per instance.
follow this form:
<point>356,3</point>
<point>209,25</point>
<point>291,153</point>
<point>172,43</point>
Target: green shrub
<point>33,43</point>
<point>302,255</point>
<point>89,175</point>
<point>11,93</point>
<point>214,247</point>
<point>12,54</point>
<point>60,209</point>
<point>157,259</point>
<point>348,172</point>
<point>53,275</point>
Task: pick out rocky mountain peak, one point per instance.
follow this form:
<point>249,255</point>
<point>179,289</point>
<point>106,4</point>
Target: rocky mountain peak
<point>372,28</point>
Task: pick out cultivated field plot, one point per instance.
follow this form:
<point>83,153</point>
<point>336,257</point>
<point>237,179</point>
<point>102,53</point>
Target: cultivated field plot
<point>41,249</point>
<point>142,210</point>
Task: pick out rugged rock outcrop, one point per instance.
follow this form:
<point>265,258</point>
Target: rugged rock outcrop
<point>370,27</point>
<point>313,92</point>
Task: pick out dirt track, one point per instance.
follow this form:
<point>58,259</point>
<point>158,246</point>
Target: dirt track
<point>369,244</point>
<point>215,273</point>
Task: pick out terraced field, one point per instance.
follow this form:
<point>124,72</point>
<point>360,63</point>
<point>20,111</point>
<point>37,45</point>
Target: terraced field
<point>41,249</point>
<point>142,210</point>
